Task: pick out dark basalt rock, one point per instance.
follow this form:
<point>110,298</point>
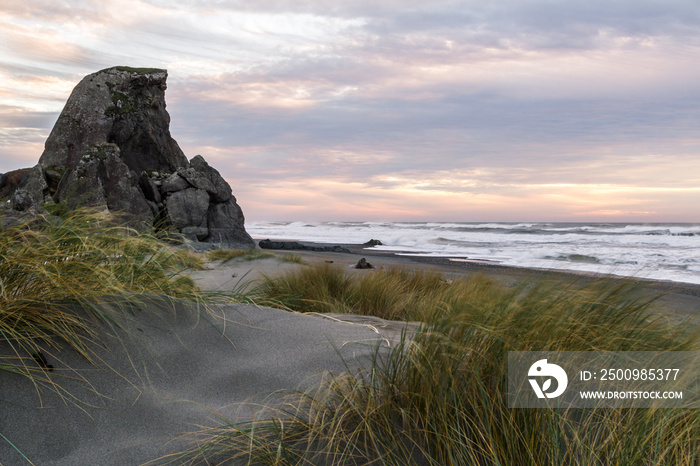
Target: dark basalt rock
<point>372,242</point>
<point>174,183</point>
<point>102,179</point>
<point>149,188</point>
<point>35,184</point>
<point>222,191</point>
<point>21,200</point>
<point>222,217</point>
<point>111,147</point>
<point>11,180</point>
<point>196,179</point>
<point>363,264</point>
<point>189,208</point>
<point>120,105</point>
<point>296,246</point>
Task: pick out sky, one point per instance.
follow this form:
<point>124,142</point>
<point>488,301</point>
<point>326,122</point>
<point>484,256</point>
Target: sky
<point>388,110</point>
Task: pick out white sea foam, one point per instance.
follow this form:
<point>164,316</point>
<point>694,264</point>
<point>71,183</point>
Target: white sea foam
<point>659,251</point>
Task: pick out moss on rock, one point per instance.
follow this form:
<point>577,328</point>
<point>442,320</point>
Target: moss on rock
<point>130,69</point>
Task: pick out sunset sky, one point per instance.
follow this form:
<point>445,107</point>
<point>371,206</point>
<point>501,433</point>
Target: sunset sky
<point>518,110</point>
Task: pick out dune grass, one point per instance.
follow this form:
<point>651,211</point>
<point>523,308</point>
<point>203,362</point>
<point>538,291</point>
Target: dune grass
<point>292,258</point>
<point>394,294</point>
<point>225,255</point>
<point>188,259</point>
<point>61,279</point>
<point>440,397</point>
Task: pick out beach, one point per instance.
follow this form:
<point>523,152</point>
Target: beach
<point>675,299</point>
<point>392,233</point>
<point>183,370</point>
<point>659,251</point>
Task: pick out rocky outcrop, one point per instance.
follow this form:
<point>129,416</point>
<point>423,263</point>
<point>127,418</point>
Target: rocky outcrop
<point>20,194</point>
<point>102,179</point>
<point>372,243</point>
<point>111,148</point>
<point>10,181</point>
<point>296,246</point>
<point>120,105</point>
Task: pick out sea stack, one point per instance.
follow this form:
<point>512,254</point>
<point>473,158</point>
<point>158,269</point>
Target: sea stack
<point>111,148</point>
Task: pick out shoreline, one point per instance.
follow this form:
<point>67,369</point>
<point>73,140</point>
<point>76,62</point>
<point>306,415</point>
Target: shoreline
<point>460,265</point>
<point>675,300</point>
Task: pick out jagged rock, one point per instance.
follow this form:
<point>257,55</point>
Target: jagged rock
<point>174,183</point>
<point>11,180</point>
<point>188,211</point>
<point>9,216</point>
<point>150,189</point>
<point>22,206</point>
<point>35,184</point>
<point>102,179</point>
<point>372,242</point>
<point>195,233</point>
<point>222,190</point>
<point>222,218</point>
<point>197,180</point>
<point>296,246</point>
<point>82,186</point>
<point>111,147</point>
<point>30,181</point>
<point>53,176</point>
<point>120,105</point>
<point>21,200</point>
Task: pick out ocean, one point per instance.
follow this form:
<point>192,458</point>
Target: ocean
<point>663,251</point>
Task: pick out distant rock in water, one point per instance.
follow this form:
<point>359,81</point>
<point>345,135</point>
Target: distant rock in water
<point>111,147</point>
<point>372,242</point>
<point>296,246</point>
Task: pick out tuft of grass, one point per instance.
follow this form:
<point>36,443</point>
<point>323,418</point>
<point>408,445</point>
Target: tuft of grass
<point>440,397</point>
<point>188,259</point>
<point>393,294</point>
<point>293,258</point>
<point>225,255</point>
<point>60,278</point>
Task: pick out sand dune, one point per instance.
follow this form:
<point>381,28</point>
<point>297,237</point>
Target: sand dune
<point>169,371</point>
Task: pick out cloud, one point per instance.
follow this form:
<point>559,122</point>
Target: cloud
<point>22,136</point>
<point>328,200</point>
<point>405,107</point>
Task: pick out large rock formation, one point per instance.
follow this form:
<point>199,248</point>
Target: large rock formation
<point>111,147</point>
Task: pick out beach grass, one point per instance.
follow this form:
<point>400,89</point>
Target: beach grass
<point>225,255</point>
<point>64,280</point>
<point>393,294</point>
<point>292,258</point>
<point>189,259</point>
<point>440,396</point>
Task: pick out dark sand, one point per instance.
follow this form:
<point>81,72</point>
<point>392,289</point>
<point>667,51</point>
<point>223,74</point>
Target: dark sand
<point>678,301</point>
<point>173,371</point>
<point>169,372</point>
